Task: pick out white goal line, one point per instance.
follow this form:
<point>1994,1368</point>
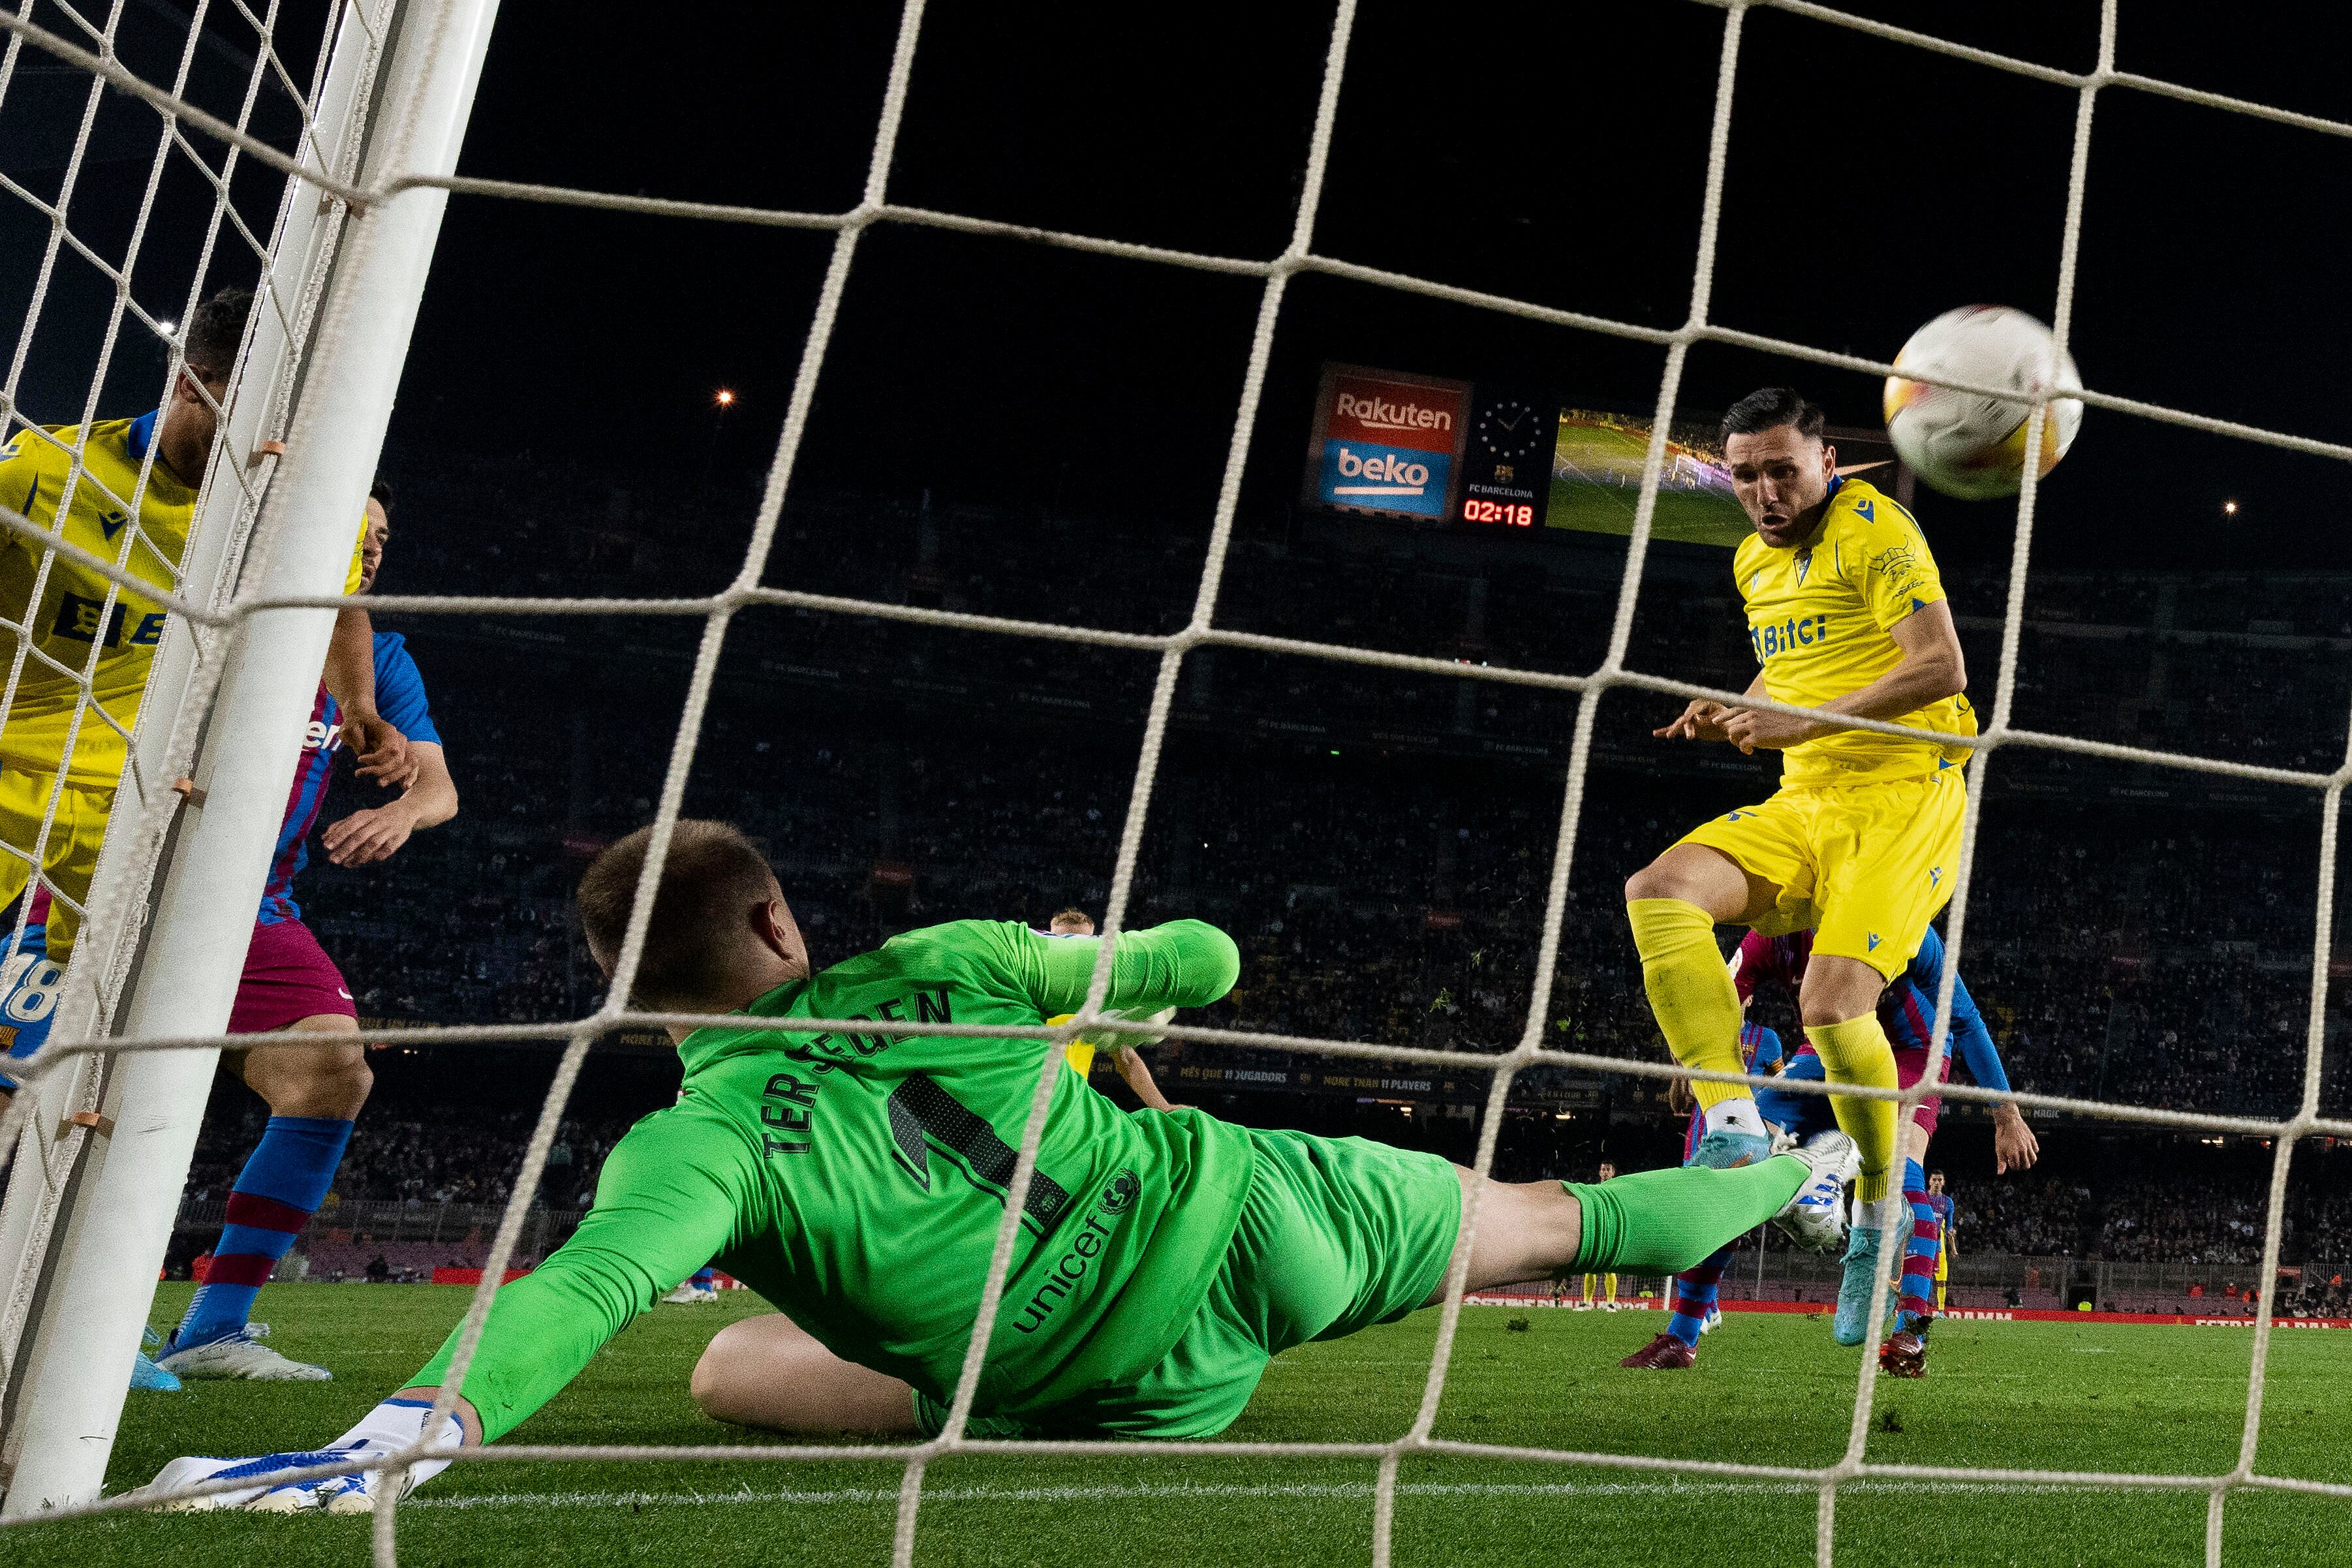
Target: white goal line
<point>1715,1476</point>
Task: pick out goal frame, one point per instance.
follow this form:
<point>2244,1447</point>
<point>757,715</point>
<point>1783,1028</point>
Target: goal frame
<point>180,878</point>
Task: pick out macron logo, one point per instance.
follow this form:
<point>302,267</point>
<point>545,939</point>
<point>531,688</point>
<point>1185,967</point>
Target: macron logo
<point>1379,413</point>
<point>1874,942</point>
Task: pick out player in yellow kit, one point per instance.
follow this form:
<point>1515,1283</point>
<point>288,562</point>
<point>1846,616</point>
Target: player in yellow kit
<point>1608,1172</point>
<point>1845,613</point>
<point>62,604</point>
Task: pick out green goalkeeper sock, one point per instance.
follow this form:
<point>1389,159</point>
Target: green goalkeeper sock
<point>1662,1222</point>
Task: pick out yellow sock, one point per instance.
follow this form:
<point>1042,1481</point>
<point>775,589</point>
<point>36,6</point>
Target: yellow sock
<point>1691,992</point>
<point>1856,1052</point>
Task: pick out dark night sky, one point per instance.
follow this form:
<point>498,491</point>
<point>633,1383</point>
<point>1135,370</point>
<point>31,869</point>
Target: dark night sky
<point>1528,150</point>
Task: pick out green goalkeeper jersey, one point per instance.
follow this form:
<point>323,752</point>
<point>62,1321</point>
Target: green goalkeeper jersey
<point>857,1181</point>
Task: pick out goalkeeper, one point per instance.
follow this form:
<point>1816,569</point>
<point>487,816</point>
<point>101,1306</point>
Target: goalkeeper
<point>857,1181</point>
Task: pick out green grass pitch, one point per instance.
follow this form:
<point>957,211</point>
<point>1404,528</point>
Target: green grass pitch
<point>1769,1388</point>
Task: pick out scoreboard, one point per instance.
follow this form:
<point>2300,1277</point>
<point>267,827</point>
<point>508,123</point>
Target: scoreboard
<point>1507,470</point>
<point>1490,456</point>
<point>1390,444</point>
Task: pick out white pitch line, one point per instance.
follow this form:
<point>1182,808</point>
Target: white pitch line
<point>878,1496</point>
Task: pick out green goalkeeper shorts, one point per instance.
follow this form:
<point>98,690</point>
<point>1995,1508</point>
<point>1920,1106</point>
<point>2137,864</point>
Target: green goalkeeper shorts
<point>1336,1235</point>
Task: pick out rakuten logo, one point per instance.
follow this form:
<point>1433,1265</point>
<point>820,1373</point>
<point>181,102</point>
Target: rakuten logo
<point>1388,474</point>
<point>1379,413</point>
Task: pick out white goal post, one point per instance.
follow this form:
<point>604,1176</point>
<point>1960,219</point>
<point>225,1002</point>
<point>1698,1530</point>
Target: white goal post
<point>100,1204</point>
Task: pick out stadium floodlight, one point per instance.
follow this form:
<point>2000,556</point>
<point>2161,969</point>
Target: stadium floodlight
<point>82,1313</point>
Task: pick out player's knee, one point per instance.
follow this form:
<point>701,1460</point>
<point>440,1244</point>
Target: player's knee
<point>337,1083</point>
<point>1838,991</point>
<point>352,1083</point>
<point>1821,1014</point>
<point>709,1383</point>
<point>751,1353</point>
<point>1656,880</point>
<point>323,1081</point>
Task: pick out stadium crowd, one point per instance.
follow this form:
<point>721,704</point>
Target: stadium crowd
<point>1380,842</point>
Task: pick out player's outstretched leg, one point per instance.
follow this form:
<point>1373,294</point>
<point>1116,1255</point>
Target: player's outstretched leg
<point>314,1093</point>
<point>1666,1221</point>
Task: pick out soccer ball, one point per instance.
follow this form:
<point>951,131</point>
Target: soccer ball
<point>1965,444</point>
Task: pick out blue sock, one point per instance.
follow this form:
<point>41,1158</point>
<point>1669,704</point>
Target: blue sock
<point>1915,1304</point>
<point>702,1277</point>
<point>1695,1293</point>
<point>275,1194</point>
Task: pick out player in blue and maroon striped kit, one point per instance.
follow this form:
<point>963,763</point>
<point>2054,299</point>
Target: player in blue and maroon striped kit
<point>314,1090</point>
<point>1907,1009</point>
<point>1696,1289</point>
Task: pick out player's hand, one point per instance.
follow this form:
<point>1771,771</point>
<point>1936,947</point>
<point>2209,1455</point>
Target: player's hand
<point>398,1426</point>
<point>382,749</point>
<point>1760,729</point>
<point>1703,720</point>
<point>2014,1146</point>
<point>366,837</point>
<point>1681,1099</point>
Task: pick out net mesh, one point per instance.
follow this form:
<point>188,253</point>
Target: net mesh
<point>88,46</point>
<point>192,211</point>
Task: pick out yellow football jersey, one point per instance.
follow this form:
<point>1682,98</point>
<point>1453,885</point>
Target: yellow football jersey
<point>1080,1052</point>
<point>66,621</point>
<point>1819,617</point>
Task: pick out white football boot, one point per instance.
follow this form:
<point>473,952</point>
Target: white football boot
<point>1815,1219</point>
<point>242,1355</point>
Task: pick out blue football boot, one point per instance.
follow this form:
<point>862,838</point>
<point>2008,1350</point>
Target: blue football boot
<point>1724,1150</point>
<point>1862,1271</point>
<point>145,1374</point>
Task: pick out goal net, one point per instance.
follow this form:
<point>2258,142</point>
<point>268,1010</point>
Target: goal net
<point>221,148</point>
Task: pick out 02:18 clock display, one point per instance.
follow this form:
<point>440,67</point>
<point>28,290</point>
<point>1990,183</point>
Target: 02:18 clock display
<point>1517,517</point>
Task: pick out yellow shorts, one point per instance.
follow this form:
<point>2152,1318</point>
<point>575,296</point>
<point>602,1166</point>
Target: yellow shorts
<point>1864,866</point>
<point>69,857</point>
